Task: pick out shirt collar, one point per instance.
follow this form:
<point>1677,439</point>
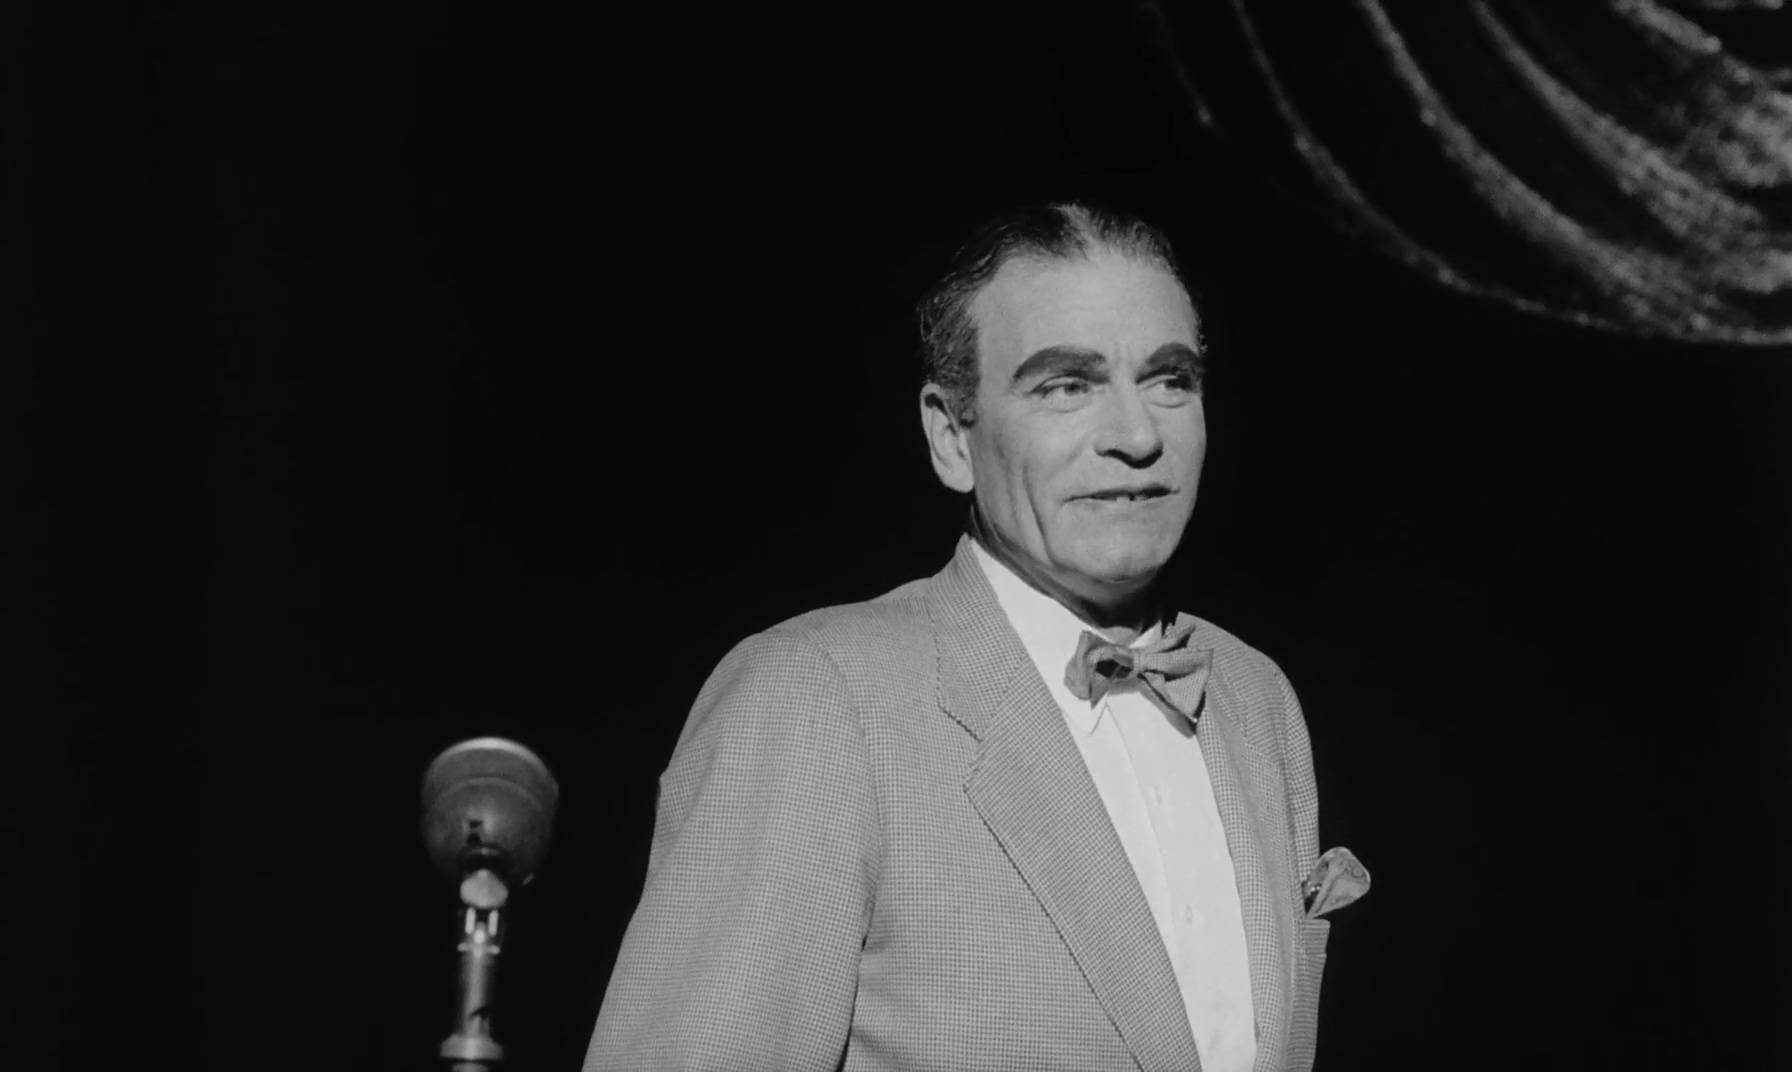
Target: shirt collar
<point>1049,631</point>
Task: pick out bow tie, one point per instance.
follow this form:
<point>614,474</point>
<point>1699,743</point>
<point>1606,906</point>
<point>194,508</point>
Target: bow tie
<point>1167,671</point>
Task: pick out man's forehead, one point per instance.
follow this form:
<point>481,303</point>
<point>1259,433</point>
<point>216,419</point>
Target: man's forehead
<point>1101,302</point>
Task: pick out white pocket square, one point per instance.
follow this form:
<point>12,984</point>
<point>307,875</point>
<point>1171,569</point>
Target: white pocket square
<point>1338,879</point>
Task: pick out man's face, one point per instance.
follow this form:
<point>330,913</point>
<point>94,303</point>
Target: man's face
<point>1089,434</point>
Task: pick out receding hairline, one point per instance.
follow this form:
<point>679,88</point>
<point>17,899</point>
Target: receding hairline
<point>1037,262</point>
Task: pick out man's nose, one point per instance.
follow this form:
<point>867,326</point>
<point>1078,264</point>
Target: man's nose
<point>1128,428</point>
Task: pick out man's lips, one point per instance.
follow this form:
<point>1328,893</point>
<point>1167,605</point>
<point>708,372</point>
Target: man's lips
<point>1129,493</point>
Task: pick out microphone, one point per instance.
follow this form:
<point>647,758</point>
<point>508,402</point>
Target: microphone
<point>488,817</point>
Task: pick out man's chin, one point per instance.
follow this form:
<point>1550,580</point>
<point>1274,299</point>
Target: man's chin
<point>1132,564</point>
<point>1125,577</point>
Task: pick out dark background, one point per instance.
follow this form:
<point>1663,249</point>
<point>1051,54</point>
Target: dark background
<point>400,374</point>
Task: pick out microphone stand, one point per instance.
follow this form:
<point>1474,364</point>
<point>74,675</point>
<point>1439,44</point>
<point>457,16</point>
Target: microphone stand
<point>472,1048</point>
<point>488,814</point>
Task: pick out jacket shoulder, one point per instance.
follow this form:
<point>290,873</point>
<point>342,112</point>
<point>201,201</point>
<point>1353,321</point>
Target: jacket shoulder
<point>893,628</point>
<point>1243,664</point>
<point>828,651</point>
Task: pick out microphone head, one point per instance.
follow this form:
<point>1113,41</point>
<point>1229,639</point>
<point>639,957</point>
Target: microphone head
<point>488,803</point>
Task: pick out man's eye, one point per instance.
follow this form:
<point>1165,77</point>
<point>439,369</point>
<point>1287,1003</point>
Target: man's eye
<point>1064,391</point>
<point>1174,387</point>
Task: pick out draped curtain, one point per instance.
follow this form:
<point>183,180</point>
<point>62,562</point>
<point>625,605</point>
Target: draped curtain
<point>1625,164</point>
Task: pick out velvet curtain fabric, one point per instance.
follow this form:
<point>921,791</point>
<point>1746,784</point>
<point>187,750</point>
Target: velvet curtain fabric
<point>1625,164</point>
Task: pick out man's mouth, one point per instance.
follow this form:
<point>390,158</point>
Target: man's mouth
<point>1139,493</point>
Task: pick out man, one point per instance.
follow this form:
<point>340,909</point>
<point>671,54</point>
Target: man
<point>1019,814</point>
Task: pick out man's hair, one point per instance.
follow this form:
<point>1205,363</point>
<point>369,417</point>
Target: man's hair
<point>1054,232</point>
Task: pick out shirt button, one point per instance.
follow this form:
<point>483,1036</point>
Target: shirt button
<point>1188,914</point>
<point>1157,796</point>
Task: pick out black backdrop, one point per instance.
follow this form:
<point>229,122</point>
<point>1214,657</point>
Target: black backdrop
<point>409,373</point>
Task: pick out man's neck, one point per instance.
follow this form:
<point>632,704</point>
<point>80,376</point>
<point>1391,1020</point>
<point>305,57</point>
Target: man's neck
<point>1120,617</point>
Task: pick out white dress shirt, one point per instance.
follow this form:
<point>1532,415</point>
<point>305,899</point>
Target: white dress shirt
<point>1153,778</point>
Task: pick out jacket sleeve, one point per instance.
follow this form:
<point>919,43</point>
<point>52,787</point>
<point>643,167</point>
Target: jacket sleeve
<point>1310,934</point>
<point>744,951</point>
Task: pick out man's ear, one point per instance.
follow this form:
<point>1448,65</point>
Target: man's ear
<point>948,440</point>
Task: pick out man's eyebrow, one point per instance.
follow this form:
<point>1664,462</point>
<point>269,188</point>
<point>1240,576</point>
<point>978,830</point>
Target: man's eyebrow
<point>1178,356</point>
<point>1058,360</point>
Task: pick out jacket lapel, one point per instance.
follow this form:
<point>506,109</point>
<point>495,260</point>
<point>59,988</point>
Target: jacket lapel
<point>1034,792</point>
<point>1245,785</point>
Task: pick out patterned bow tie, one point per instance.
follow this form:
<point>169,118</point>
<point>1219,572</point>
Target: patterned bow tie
<point>1167,671</point>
